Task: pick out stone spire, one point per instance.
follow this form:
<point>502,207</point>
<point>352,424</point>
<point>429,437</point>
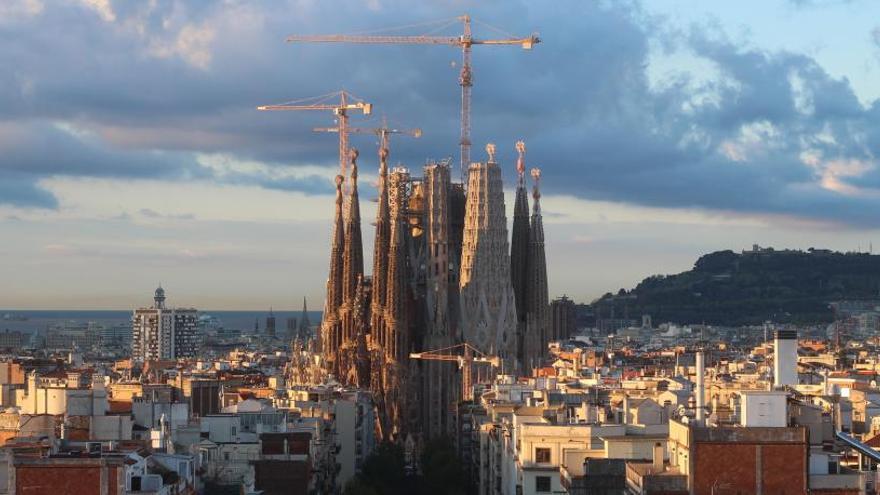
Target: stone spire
<point>305,325</point>
<point>361,355</point>
<point>353,253</point>
<point>396,289</point>
<point>346,360</point>
<point>380,254</point>
<point>440,302</point>
<point>329,334</point>
<point>488,306</point>
<point>396,310</point>
<point>519,247</point>
<point>538,303</point>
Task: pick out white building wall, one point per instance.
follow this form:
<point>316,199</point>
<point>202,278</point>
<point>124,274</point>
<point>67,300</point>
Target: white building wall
<point>346,415</point>
<point>764,408</point>
<point>110,428</point>
<point>785,359</point>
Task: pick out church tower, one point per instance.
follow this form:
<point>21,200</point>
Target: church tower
<point>439,386</point>
<point>380,256</point>
<point>538,302</point>
<point>488,305</point>
<point>352,271</point>
<point>519,251</point>
<point>397,307</point>
<point>331,329</point>
<point>304,331</point>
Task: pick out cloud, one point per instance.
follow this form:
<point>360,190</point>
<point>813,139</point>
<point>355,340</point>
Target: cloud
<point>153,214</point>
<point>192,43</point>
<point>167,90</point>
<point>20,190</point>
<point>11,10</point>
<point>102,7</point>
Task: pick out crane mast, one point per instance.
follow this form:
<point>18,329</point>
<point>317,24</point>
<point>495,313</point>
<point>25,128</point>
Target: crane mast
<point>465,79</point>
<point>346,103</point>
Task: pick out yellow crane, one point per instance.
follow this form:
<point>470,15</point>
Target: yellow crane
<point>466,356</point>
<point>347,102</point>
<point>465,41</point>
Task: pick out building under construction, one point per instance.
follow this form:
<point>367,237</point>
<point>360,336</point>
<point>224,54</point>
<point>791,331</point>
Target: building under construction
<point>442,275</point>
<point>445,277</point>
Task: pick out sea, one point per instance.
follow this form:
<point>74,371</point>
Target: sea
<point>29,321</point>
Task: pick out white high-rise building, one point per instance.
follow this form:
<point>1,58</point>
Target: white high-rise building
<point>162,333</point>
<point>785,358</point>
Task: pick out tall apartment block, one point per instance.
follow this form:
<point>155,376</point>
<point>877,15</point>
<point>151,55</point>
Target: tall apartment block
<point>159,332</point>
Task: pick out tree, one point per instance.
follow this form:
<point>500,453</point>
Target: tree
<point>442,472</point>
<point>383,472</point>
<point>358,486</point>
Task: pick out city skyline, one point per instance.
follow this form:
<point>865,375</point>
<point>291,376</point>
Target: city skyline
<point>133,152</point>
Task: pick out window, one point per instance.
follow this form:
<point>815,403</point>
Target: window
<point>542,454</point>
<point>542,484</point>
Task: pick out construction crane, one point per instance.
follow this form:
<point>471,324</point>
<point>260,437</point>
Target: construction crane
<point>347,102</point>
<point>383,132</point>
<point>466,356</point>
<point>465,79</point>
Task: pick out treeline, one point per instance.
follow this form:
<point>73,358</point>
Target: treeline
<point>727,288</point>
<point>385,472</point>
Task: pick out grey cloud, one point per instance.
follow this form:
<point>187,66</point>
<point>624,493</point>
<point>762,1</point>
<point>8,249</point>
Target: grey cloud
<point>22,190</point>
<point>150,213</point>
<point>582,101</point>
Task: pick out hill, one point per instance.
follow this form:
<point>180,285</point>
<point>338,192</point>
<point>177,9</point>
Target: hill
<point>726,288</point>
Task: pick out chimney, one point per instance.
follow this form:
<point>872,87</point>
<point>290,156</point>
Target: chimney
<point>700,390</point>
<point>625,419</point>
<point>658,458</point>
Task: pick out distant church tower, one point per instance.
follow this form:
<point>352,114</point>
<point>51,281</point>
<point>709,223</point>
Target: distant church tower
<point>305,326</point>
<point>488,304</point>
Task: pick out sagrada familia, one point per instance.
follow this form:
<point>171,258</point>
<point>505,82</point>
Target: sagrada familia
<point>443,274</point>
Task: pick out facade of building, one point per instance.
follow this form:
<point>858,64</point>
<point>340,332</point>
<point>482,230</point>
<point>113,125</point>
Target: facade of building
<point>164,333</point>
<point>563,315</point>
<point>488,305</point>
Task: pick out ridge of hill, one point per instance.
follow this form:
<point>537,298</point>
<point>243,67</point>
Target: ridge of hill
<point>749,288</point>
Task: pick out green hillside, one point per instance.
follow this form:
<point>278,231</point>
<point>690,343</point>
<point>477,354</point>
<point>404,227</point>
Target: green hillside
<point>726,288</point>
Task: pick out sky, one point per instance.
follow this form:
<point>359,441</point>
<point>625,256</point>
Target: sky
<point>132,153</point>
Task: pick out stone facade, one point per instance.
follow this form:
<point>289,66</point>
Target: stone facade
<point>488,305</point>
